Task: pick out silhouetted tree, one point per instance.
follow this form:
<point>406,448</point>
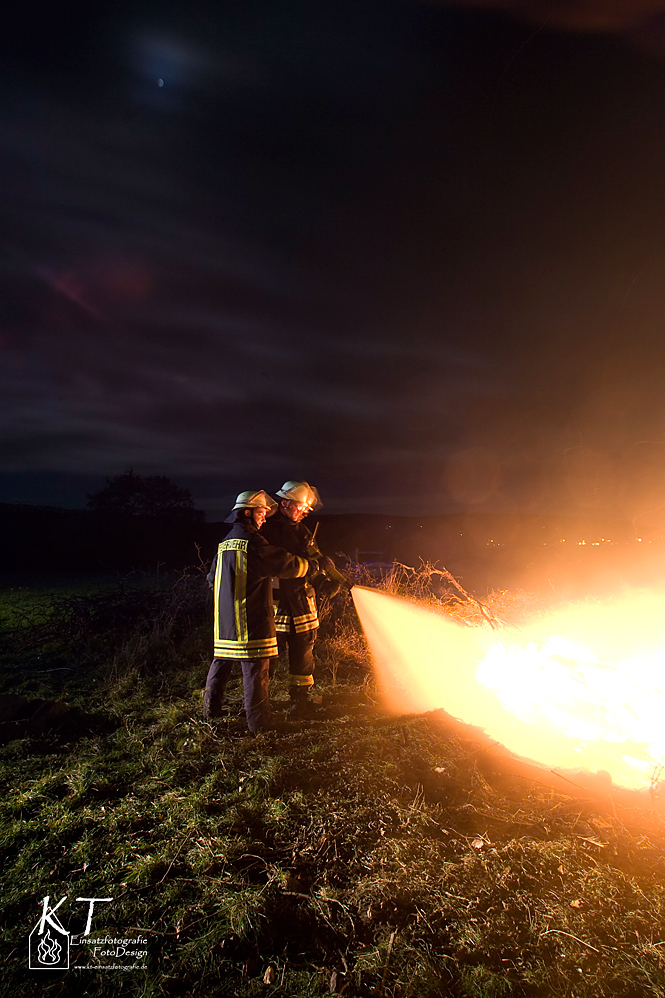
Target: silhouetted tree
<point>155,497</point>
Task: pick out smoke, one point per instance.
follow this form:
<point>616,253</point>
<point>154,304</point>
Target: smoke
<point>583,15</point>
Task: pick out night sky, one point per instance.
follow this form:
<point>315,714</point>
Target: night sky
<point>411,252</point>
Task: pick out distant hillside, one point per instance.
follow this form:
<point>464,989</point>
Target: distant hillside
<point>50,538</point>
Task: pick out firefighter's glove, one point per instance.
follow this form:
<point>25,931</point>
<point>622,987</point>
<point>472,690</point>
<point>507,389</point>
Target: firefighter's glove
<point>326,587</point>
<point>333,573</point>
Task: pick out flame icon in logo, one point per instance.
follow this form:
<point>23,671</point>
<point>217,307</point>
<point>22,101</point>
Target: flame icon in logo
<point>49,949</point>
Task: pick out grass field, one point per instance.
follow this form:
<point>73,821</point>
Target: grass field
<point>360,855</point>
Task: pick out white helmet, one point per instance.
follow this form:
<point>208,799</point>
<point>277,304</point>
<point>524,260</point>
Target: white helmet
<point>250,500</point>
<point>301,492</point>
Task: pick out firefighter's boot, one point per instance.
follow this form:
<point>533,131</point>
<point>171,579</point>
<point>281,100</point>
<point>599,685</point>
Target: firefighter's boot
<point>305,706</point>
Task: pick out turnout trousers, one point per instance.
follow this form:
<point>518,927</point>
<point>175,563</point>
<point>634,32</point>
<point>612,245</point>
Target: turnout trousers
<point>301,660</point>
<point>255,681</point>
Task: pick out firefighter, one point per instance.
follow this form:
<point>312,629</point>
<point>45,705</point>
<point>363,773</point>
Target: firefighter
<point>244,619</point>
<point>296,615</point>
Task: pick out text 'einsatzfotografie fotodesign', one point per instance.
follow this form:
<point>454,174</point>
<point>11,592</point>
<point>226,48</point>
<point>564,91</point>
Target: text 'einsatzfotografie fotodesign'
<point>53,947</point>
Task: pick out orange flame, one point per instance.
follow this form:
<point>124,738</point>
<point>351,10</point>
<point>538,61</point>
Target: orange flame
<point>593,700</point>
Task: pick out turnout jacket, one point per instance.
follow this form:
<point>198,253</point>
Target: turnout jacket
<point>240,574</point>
<point>296,606</point>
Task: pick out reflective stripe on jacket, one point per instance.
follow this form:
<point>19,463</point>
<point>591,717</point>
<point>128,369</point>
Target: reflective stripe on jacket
<point>288,611</point>
<point>296,602</point>
<point>244,619</point>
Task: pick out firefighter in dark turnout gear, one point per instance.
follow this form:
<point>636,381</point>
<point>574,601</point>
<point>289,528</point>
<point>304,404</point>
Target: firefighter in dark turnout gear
<point>296,614</point>
<point>244,619</point>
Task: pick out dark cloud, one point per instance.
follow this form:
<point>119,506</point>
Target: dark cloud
<point>400,250</point>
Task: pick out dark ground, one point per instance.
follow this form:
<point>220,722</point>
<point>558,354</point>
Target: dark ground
<point>360,854</point>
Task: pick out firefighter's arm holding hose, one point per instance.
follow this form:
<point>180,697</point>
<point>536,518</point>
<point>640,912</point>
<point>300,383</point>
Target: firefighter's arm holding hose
<point>326,565</point>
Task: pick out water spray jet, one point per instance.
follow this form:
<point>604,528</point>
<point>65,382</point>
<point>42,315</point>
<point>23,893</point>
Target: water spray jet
<point>580,707</point>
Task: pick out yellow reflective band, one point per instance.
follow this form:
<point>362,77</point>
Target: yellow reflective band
<point>304,617</point>
<point>254,643</point>
<point>218,580</point>
<point>305,622</point>
<point>242,655</point>
<point>240,593</point>
<point>262,648</point>
<point>282,622</point>
<point>301,680</point>
<point>303,628</point>
<point>303,567</point>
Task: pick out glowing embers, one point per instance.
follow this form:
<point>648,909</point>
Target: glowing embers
<point>594,700</point>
